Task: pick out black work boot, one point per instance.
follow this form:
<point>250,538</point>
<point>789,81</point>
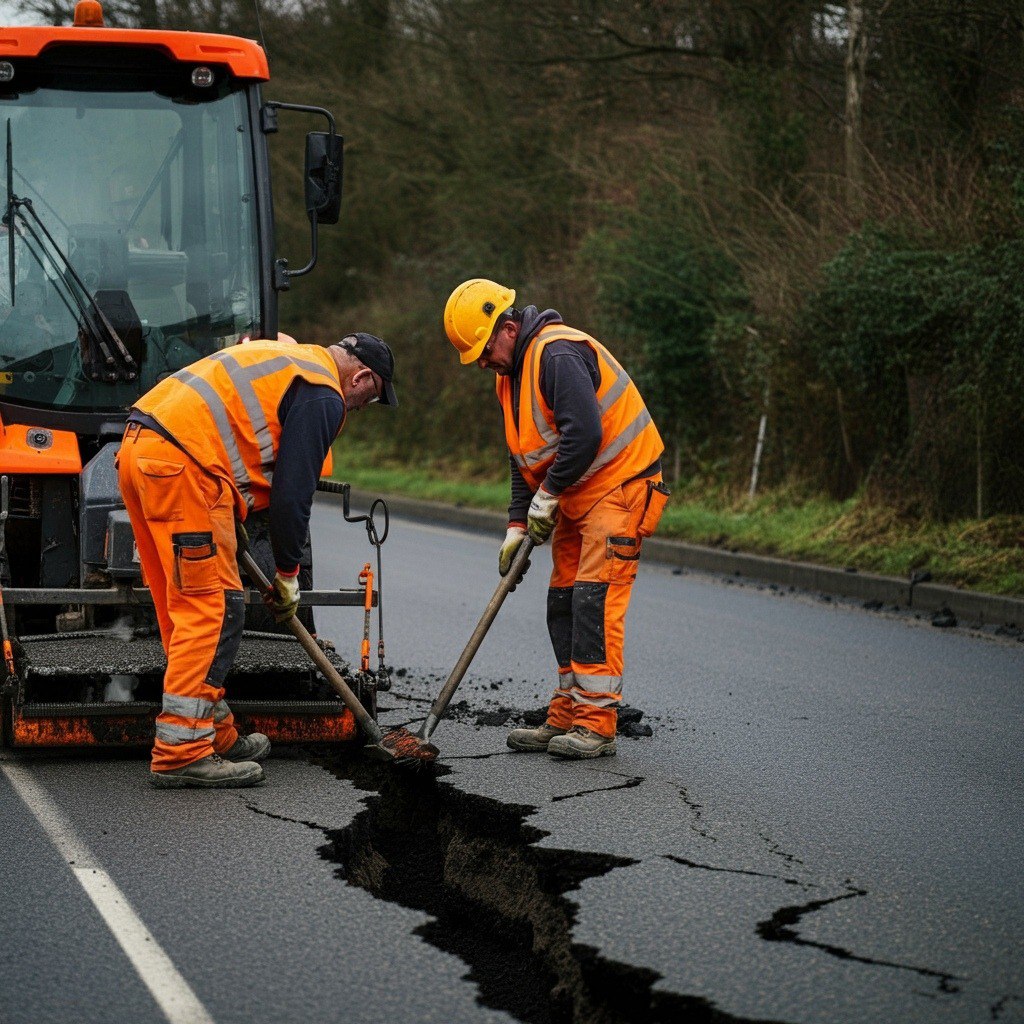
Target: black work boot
<point>211,772</point>
<point>254,747</point>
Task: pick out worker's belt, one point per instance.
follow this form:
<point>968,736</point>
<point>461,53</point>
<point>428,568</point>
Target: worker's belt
<point>140,419</point>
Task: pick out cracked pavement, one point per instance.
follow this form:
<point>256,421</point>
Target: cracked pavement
<point>825,826</point>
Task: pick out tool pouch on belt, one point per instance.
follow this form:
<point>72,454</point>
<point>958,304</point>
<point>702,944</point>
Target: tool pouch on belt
<point>657,499</point>
<point>195,563</point>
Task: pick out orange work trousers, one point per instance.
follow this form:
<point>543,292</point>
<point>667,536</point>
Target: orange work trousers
<point>184,525</point>
<point>595,562</point>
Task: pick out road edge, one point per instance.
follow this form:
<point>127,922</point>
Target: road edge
<point>969,605</point>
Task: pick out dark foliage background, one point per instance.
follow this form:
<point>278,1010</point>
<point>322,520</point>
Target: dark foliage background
<point>810,209</point>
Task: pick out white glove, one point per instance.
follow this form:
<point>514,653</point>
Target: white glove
<point>286,596</point>
<point>513,539</point>
<point>541,518</point>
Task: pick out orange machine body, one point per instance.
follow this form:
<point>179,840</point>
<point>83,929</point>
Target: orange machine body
<point>38,450</point>
<point>135,729</point>
<point>43,451</point>
<point>244,58</point>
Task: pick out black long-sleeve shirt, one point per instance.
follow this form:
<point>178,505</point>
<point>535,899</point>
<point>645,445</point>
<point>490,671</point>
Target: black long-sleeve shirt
<point>311,416</point>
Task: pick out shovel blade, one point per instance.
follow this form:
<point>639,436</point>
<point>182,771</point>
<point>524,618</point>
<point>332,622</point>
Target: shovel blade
<point>407,748</point>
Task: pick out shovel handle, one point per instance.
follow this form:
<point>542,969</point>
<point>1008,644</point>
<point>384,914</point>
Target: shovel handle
<point>510,580</point>
<point>312,648</point>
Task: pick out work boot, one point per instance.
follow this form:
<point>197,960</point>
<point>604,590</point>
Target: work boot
<point>533,739</point>
<point>211,772</point>
<point>579,742</point>
<point>254,747</point>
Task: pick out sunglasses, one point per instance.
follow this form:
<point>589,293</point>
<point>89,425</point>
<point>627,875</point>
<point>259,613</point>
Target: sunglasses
<point>378,384</point>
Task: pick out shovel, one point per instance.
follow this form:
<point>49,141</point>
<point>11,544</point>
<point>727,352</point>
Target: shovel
<point>380,747</point>
<point>412,749</point>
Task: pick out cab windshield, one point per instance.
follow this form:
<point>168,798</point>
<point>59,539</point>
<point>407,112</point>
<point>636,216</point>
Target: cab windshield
<point>145,182</point>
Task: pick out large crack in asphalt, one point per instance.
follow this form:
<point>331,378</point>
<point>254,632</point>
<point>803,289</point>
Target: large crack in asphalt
<point>496,900</point>
<point>499,902</point>
<point>780,928</point>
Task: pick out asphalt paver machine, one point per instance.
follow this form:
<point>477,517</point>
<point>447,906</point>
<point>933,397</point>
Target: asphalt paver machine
<point>137,236</point>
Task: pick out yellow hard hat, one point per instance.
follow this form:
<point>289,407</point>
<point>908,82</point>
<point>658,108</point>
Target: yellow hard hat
<point>470,314</point>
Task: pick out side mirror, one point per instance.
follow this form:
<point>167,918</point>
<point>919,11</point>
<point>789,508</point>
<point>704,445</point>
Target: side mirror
<point>322,182</point>
<point>324,171</point>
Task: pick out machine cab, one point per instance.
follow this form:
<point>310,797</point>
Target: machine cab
<point>136,194</point>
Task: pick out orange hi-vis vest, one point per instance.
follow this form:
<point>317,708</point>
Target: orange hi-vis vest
<point>222,410</point>
<point>630,441</point>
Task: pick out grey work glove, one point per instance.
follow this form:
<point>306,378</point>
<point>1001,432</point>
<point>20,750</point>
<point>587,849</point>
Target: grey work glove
<point>286,596</point>
<point>513,540</point>
<point>540,522</point>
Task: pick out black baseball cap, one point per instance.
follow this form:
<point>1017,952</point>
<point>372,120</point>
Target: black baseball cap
<point>374,354</point>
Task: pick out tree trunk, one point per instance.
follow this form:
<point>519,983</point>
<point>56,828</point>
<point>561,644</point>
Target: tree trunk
<point>845,435</point>
<point>855,69</point>
<point>979,483</point>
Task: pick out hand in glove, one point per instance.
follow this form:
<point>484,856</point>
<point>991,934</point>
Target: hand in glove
<point>286,596</point>
<point>513,539</point>
<point>543,513</point>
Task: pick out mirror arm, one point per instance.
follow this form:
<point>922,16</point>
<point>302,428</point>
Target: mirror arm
<point>282,275</point>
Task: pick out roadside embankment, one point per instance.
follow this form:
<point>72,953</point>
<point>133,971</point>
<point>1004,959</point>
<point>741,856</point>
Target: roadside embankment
<point>916,592</point>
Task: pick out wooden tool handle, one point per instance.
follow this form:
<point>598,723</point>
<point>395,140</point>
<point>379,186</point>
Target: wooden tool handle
<point>312,648</point>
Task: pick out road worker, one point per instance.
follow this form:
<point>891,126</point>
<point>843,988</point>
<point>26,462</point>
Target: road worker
<point>245,429</point>
<point>585,460</point>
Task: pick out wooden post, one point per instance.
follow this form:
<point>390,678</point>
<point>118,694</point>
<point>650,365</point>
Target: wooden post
<point>762,430</point>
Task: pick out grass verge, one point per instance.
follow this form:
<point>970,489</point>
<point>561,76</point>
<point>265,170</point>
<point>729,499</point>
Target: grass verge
<point>985,555</point>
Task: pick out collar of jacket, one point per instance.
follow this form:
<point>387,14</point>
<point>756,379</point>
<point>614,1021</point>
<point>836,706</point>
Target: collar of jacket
<point>533,323</point>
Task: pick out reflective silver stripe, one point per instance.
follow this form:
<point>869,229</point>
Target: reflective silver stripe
<point>547,434</point>
<point>629,433</point>
<point>315,368</point>
<point>174,735</point>
<point>562,693</point>
<point>599,684</point>
<point>538,455</point>
<point>229,356</point>
<point>221,711</point>
<point>245,376</point>
<point>206,392</point>
<point>614,393</point>
<point>187,707</point>
<point>594,702</point>
<point>550,434</point>
<point>519,460</point>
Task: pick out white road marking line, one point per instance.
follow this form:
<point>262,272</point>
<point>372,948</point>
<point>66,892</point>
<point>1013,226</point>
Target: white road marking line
<point>171,991</point>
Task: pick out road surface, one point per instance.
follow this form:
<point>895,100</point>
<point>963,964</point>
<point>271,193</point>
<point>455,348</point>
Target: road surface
<point>825,826</point>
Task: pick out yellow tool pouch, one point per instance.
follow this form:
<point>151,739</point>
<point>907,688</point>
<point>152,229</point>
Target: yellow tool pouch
<point>657,499</point>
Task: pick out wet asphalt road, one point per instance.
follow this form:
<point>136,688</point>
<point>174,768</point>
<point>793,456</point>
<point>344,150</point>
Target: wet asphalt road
<point>826,825</point>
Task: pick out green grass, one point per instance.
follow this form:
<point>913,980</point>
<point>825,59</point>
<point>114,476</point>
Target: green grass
<point>986,555</point>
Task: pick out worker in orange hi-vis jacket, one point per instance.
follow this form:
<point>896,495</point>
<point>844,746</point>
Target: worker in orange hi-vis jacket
<point>585,460</point>
<point>245,429</point>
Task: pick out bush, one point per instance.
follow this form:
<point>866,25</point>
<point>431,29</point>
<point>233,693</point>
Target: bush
<point>927,346</point>
<point>668,293</point>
